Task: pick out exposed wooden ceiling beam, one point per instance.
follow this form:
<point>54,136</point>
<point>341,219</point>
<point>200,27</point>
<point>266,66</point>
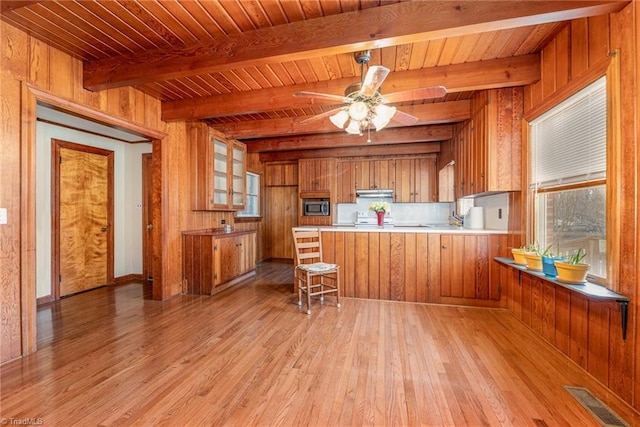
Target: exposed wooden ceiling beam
<point>503,72</point>
<point>418,148</point>
<point>442,112</point>
<point>405,135</point>
<point>394,24</point>
<point>9,5</point>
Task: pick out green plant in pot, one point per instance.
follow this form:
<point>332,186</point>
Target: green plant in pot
<point>518,255</point>
<point>548,261</point>
<point>534,257</point>
<point>572,269</point>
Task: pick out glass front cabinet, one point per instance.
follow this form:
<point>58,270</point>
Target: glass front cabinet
<point>218,174</point>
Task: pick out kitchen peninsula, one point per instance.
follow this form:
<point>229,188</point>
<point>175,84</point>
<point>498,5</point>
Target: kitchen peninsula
<point>434,264</point>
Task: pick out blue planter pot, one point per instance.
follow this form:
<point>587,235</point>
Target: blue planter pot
<point>548,266</point>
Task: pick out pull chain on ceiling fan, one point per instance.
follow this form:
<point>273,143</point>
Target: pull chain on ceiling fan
<point>366,106</point>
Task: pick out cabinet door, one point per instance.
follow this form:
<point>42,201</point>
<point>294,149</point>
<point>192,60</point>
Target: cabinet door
<point>345,182</point>
<point>315,175</point>
<point>383,173</point>
<point>226,259</point>
<point>424,184</point>
<point>220,190</point>
<point>464,266</point>
<point>404,178</point>
<point>246,253</point>
<point>238,173</point>
<point>361,174</point>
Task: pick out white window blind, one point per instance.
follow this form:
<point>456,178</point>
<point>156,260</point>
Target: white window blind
<point>569,142</point>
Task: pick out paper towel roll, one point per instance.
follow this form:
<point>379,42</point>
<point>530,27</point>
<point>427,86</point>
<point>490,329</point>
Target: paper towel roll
<point>474,219</point>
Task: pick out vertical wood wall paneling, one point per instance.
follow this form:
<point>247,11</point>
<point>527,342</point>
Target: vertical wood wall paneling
<point>624,357</point>
<point>375,270</point>
<point>410,268</point>
<point>422,267</point>
<point>434,283</point>
<point>361,257</point>
<point>14,67</point>
<point>397,259</point>
<point>595,342</point>
<point>384,266</point>
<point>563,320</point>
<point>28,61</point>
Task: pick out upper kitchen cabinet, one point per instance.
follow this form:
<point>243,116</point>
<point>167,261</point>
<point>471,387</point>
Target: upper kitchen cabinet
<point>415,180</point>
<point>218,170</point>
<point>489,145</point>
<point>281,174</point>
<point>316,177</point>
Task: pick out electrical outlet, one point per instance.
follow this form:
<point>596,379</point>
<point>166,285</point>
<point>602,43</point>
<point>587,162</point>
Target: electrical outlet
<point>223,222</point>
<point>499,213</point>
<point>3,215</point>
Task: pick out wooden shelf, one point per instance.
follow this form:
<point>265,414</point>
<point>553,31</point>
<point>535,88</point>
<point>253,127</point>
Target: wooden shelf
<point>588,289</point>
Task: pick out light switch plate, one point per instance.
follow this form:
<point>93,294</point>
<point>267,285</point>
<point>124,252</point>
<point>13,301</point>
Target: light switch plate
<point>3,216</point>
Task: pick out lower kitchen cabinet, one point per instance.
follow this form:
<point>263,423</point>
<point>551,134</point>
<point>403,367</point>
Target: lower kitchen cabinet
<point>466,267</point>
<point>445,268</point>
<point>214,260</point>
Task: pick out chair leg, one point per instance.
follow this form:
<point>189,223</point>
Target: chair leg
<point>308,293</point>
<point>338,289</point>
<point>299,290</point>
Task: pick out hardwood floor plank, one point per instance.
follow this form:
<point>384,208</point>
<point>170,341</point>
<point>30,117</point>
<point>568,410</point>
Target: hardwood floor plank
<point>250,356</point>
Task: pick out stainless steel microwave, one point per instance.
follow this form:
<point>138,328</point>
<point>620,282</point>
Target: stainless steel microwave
<point>315,207</point>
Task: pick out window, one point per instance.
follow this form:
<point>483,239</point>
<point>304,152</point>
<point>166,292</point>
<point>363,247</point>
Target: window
<point>568,155</point>
<point>253,196</point>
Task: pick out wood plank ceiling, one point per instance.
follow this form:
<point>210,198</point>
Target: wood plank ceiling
<point>236,63</point>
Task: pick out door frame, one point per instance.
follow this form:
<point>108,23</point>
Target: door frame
<point>147,216</point>
<point>30,97</point>
<point>56,145</point>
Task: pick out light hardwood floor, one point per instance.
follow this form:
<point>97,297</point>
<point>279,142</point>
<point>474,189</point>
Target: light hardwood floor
<point>248,356</point>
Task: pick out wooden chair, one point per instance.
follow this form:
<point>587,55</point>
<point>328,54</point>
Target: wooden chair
<point>312,275</point>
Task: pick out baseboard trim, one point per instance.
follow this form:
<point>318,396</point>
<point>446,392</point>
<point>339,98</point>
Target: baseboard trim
<point>128,278</point>
<point>44,300</point>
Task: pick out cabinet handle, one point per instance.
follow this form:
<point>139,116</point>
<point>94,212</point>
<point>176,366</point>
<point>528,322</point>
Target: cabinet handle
<point>444,246</point>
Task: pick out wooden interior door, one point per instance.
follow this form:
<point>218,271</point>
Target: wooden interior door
<point>281,214</point>
<point>83,217</point>
<point>147,216</point>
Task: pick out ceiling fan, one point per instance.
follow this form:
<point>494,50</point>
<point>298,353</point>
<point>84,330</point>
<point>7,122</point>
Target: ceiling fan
<point>365,106</point>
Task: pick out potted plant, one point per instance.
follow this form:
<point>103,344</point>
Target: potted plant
<point>518,255</point>
<point>533,257</point>
<point>548,261</point>
<point>572,269</point>
<point>380,208</point>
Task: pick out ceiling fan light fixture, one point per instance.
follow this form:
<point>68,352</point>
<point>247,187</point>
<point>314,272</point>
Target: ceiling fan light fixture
<point>354,128</point>
<point>340,118</point>
<point>382,115</point>
<point>358,111</point>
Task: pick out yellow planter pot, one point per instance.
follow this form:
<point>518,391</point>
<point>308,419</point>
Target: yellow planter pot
<point>572,273</point>
<point>534,261</point>
<point>518,256</point>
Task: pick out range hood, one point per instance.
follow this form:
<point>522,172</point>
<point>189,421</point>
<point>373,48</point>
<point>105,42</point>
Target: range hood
<point>375,194</point>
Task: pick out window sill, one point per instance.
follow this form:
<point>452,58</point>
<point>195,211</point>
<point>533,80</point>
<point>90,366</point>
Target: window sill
<point>588,289</point>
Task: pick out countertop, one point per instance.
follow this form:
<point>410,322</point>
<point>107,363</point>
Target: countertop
<point>404,228</point>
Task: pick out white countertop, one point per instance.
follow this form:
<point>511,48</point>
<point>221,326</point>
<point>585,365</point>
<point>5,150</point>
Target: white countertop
<point>436,228</point>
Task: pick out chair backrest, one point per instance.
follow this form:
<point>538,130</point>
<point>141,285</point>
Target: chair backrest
<point>308,245</point>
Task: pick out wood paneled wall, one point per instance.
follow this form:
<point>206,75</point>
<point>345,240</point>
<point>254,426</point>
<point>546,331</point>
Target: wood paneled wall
<point>578,50</point>
<point>26,61</point>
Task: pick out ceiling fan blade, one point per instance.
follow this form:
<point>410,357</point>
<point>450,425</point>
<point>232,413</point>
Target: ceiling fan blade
<point>373,80</point>
<point>404,118</point>
<point>416,94</point>
<point>320,116</point>
<point>327,96</point>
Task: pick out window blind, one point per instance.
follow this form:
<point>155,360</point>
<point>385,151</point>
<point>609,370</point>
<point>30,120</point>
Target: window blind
<point>569,142</point>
